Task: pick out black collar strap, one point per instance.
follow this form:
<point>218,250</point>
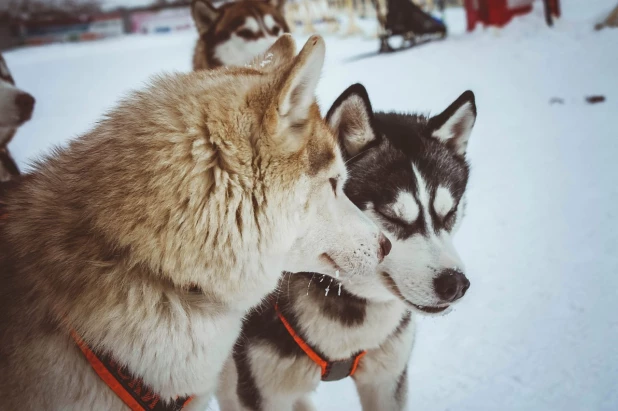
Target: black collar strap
<point>130,390</point>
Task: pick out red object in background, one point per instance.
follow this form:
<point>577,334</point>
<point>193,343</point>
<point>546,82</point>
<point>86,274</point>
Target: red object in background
<point>500,12</point>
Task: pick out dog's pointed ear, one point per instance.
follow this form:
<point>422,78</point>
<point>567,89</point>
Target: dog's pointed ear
<point>351,119</point>
<point>295,100</point>
<point>282,51</point>
<point>278,4</point>
<point>204,15</point>
<point>454,125</point>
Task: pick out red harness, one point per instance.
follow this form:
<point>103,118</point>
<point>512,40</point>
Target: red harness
<point>131,391</point>
<point>331,370</point>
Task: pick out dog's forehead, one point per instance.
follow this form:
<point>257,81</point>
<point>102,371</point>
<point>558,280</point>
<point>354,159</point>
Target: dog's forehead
<point>248,14</point>
<point>408,139</point>
<point>404,159</point>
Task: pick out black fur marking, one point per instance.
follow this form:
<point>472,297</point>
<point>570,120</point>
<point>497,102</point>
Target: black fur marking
<point>347,309</point>
<point>263,324</point>
<point>386,170</point>
<point>403,325</point>
<point>246,388</point>
<point>401,390</point>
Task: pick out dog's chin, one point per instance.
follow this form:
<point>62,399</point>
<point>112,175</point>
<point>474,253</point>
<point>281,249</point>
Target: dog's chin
<point>424,309</point>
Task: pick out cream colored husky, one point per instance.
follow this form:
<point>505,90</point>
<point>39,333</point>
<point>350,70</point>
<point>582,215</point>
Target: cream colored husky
<point>150,236</point>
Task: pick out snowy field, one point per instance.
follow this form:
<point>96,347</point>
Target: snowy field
<point>538,329</point>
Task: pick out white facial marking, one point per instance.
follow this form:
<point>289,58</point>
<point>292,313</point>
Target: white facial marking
<point>238,51</point>
<point>405,207</point>
<point>269,22</point>
<point>443,203</point>
<point>251,24</point>
<point>423,193</point>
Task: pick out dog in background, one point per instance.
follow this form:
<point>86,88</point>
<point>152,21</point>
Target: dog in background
<point>236,32</point>
<point>16,108</point>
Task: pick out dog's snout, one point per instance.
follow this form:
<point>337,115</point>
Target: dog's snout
<point>25,105</point>
<point>385,247</point>
<point>451,285</point>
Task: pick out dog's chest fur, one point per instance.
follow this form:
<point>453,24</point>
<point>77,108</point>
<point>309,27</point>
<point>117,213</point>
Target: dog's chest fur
<point>337,325</point>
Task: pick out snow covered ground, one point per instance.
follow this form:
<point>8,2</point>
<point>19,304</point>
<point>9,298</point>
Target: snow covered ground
<point>538,329</point>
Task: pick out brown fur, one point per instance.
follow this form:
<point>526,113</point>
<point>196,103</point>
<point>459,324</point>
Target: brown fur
<point>216,25</point>
<point>193,181</point>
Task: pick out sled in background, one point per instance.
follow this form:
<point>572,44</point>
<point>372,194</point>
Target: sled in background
<point>404,19</point>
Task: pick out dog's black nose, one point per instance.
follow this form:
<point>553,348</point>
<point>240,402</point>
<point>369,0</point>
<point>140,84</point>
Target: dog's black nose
<point>385,247</point>
<point>25,104</point>
<point>451,285</point>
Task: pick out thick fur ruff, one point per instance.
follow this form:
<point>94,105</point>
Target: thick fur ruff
<point>154,233</point>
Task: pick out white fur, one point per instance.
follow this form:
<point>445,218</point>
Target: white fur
<point>382,319</point>
<point>269,22</point>
<point>306,79</point>
<point>352,111</point>
<point>237,51</point>
<point>414,262</point>
<point>463,119</point>
<point>423,195</point>
<point>443,202</point>
<point>293,374</point>
<point>251,24</point>
<point>341,231</point>
<point>380,370</point>
<point>405,207</point>
<point>9,113</point>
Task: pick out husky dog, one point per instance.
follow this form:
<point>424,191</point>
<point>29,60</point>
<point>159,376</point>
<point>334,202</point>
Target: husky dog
<point>148,238</point>
<point>236,32</point>
<point>15,109</point>
<point>408,173</point>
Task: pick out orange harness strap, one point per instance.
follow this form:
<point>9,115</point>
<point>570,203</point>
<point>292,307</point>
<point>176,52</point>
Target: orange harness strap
<point>130,390</point>
<point>331,370</point>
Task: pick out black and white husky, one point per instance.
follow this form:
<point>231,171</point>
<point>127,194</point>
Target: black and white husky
<point>408,173</point>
